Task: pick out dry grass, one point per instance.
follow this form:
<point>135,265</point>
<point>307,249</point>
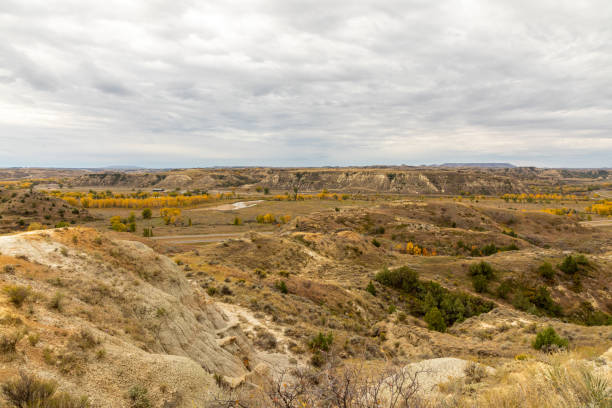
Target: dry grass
<point>561,380</point>
<point>30,391</point>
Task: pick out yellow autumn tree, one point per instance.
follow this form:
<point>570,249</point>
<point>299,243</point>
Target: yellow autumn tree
<point>170,215</point>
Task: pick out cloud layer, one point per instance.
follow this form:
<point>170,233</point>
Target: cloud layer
<point>189,83</point>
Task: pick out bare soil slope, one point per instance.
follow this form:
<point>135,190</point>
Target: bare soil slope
<point>102,316</point>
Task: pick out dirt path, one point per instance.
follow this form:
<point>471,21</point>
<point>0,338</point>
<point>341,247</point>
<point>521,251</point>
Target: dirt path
<point>231,207</point>
<point>598,223</point>
<point>248,322</point>
<point>201,238</point>
<point>605,193</point>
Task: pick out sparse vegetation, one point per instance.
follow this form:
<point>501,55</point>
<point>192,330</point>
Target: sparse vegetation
<point>139,397</point>
<point>281,286</point>
<point>425,298</point>
<point>321,342</point>
<point>28,391</point>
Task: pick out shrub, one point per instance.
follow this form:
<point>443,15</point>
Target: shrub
<point>265,340</point>
<point>281,286</point>
<point>33,339</point>
<point>379,230</point>
<point>119,227</point>
<point>510,232</point>
<point>8,342</point>
<point>489,250</point>
<point>139,397</point>
<point>317,359</point>
<point>101,354</point>
<point>401,278</point>
<point>422,296</point>
<point>28,391</point>
<point>17,294</point>
<point>588,315</point>
<point>35,226</point>
<point>474,372</point>
<point>548,340</point>
<point>511,247</point>
<point>371,289</point>
<point>521,302</point>
<point>56,301</point>
<point>482,268</point>
<point>265,219</point>
<point>546,271</point>
<point>375,243</point>
<point>505,288</point>
<point>212,291</point>
<point>569,265</point>
<point>84,340</point>
<point>542,300</point>
<point>321,342</point>
<point>237,221</point>
<point>480,283</point>
<point>435,320</point>
<point>147,214</point>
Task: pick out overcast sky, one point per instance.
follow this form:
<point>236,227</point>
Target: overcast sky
<point>185,83</point>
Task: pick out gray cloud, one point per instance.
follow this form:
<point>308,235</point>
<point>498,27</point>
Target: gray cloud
<point>277,82</point>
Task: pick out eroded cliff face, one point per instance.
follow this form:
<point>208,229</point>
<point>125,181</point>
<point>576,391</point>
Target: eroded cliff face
<point>394,181</point>
<point>118,179</point>
<point>353,180</point>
